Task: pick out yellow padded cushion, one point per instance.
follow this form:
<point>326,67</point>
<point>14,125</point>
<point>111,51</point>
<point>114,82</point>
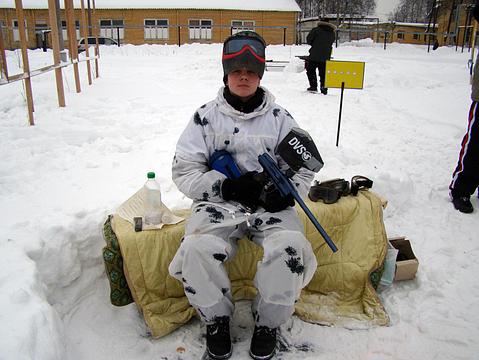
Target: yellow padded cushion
<point>340,292</point>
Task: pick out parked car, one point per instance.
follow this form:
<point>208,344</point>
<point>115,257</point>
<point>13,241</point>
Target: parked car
<point>92,41</point>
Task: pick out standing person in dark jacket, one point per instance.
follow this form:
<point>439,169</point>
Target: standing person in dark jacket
<point>321,39</point>
<point>465,178</point>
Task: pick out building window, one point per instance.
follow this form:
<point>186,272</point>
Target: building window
<point>401,35</point>
<point>156,29</point>
<point>240,25</point>
<point>200,29</point>
<point>65,32</point>
<point>416,36</point>
<point>40,26</point>
<point>16,32</point>
<point>3,29</point>
<point>111,28</point>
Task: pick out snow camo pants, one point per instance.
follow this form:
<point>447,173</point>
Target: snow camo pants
<point>211,238</point>
<point>465,178</point>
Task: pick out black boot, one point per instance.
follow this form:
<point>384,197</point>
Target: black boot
<point>218,340</point>
<point>263,343</point>
<point>324,90</point>
<point>463,204</point>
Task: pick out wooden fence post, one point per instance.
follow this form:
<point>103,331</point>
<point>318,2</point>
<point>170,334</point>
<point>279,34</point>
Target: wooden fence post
<point>3,59</point>
<point>85,37</point>
<point>52,9</point>
<point>97,46</point>
<point>26,66</point>
<point>72,41</point>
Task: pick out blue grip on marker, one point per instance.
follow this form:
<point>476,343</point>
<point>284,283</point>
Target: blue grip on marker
<point>222,161</point>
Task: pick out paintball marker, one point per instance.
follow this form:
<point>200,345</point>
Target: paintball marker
<point>298,150</point>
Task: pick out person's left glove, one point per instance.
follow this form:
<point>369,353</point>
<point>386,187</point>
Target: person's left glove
<point>275,202</point>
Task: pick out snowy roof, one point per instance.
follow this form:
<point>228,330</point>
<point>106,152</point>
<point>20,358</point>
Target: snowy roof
<point>265,5</point>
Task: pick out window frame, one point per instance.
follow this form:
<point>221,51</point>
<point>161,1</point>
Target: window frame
<point>201,31</point>
<point>237,28</point>
<point>110,30</point>
<point>16,31</point>
<point>65,31</point>
<point>156,31</point>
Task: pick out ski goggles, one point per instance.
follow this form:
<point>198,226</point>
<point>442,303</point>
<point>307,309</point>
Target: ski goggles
<point>238,46</point>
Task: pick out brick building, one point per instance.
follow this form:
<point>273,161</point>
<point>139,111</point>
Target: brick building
<point>161,21</point>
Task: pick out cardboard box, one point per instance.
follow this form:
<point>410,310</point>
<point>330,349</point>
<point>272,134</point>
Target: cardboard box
<point>406,262</point>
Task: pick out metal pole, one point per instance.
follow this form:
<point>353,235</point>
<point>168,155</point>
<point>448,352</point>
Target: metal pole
<point>179,36</point>
<point>340,112</point>
<point>385,39</point>
<point>284,36</point>
<point>118,34</point>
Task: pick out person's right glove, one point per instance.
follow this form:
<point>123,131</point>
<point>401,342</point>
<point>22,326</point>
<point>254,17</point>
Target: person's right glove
<point>244,189</point>
<point>274,201</point>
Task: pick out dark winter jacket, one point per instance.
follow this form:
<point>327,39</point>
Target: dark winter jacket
<point>321,39</point>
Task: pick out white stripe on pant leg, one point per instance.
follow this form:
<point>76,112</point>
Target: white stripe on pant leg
<point>466,145</point>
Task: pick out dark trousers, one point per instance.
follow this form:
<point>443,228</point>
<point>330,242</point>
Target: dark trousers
<point>465,178</point>
<point>311,67</point>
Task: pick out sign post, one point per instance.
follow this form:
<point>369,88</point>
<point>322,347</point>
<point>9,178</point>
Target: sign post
<point>344,75</point>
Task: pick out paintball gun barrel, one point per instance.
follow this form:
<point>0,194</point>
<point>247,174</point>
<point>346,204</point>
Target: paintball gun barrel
<point>298,150</point>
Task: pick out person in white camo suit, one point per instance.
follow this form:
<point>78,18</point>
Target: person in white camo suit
<point>244,120</point>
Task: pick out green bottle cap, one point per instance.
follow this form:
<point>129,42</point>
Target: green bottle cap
<point>150,175</point>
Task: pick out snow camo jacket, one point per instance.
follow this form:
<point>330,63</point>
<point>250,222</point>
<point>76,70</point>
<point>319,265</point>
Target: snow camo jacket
<point>218,126</point>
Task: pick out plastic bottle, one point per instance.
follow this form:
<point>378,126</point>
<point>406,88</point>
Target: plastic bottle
<point>153,212</point>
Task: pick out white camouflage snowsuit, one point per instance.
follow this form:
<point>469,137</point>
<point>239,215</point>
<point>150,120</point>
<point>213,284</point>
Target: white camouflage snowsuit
<point>215,226</point>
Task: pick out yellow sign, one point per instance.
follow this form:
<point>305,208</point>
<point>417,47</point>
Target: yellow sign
<point>351,73</point>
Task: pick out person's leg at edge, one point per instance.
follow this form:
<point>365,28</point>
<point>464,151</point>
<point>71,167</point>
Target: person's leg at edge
<point>322,77</point>
<point>465,178</point>
<point>311,74</point>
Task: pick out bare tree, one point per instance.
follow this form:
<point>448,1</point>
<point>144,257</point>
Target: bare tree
<point>420,10</point>
<point>342,8</point>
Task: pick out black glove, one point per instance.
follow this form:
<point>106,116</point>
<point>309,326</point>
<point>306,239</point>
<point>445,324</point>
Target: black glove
<point>274,201</point>
<point>245,189</point>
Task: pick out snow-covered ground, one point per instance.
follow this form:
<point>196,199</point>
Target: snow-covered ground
<point>60,179</point>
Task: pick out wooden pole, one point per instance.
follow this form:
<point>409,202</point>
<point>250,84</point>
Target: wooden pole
<point>85,36</point>
<point>3,59</point>
<point>72,41</point>
<point>52,9</point>
<point>26,66</point>
<point>97,46</point>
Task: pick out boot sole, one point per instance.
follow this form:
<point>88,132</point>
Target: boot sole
<point>258,357</point>
<point>219,357</point>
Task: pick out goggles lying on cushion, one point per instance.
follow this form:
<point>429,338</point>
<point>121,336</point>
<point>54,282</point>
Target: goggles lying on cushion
<point>331,191</point>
